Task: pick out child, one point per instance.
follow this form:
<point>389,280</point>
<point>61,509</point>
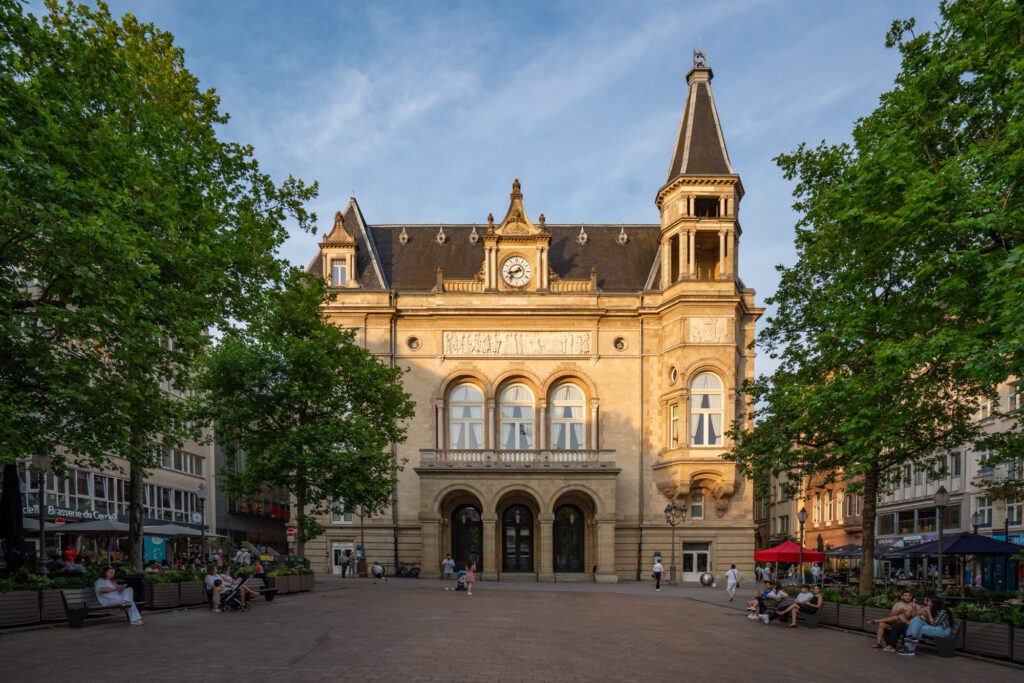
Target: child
<point>218,588</point>
<point>470,577</point>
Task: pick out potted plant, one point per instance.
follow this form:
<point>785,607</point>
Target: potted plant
<point>161,590</point>
<point>307,579</point>
<point>19,599</point>
<point>191,590</point>
<point>986,631</point>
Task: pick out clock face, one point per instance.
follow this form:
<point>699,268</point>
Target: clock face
<point>516,271</point>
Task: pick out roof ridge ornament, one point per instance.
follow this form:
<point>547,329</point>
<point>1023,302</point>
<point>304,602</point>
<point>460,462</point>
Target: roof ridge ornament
<point>623,237</point>
<point>473,236</point>
<point>700,59</point>
<point>581,239</point>
<point>403,237</point>
<point>441,237</point>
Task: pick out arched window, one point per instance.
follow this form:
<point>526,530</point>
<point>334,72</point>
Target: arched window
<point>516,410</point>
<point>466,417</point>
<point>706,415</point>
<point>567,422</point>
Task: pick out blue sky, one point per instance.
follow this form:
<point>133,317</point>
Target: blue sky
<point>427,111</point>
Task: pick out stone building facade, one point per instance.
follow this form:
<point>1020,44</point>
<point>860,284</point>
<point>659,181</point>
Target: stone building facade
<point>570,380</point>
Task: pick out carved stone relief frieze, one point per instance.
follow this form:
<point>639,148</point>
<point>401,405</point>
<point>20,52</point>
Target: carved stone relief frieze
<point>517,343</point>
<point>709,330</point>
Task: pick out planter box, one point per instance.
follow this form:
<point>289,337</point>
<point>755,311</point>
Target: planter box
<point>830,613</point>
<point>53,606</point>
<point>1018,644</point>
<point>191,593</point>
<point>161,595</point>
<point>18,608</point>
<point>992,640</point>
<point>851,616</point>
<point>284,585</point>
<point>873,613</point>
<point>306,581</point>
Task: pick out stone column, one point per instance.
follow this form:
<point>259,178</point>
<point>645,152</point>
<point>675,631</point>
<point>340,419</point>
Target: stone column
<point>606,549</point>
<point>490,531</point>
<point>666,263</point>
<point>440,425</point>
<point>593,424</point>
<point>542,427</point>
<point>491,443</point>
<point>546,551</point>
<point>430,522</point>
<point>684,255</point>
<point>721,253</point>
<point>691,264</point>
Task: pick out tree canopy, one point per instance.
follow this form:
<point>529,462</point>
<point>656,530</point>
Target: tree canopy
<point>312,411</point>
<point>903,308</point>
<point>128,228</point>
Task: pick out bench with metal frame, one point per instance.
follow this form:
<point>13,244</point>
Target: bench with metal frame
<point>80,603</point>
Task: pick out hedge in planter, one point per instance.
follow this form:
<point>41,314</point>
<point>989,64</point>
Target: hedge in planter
<point>161,591</point>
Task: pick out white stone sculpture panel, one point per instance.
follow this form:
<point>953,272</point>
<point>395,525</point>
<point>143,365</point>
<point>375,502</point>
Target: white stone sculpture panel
<point>710,330</point>
<point>517,343</point>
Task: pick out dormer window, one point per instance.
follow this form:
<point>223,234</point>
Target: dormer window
<point>339,272</point>
<point>705,207</point>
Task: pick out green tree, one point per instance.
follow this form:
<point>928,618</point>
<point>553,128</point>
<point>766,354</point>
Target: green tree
<point>903,307</point>
<point>128,230</point>
<point>313,412</point>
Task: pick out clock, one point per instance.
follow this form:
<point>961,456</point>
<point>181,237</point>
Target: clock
<point>515,271</point>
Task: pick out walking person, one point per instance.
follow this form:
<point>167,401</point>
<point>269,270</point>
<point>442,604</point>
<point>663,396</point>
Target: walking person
<point>732,582</point>
<point>448,572</point>
<point>470,577</point>
<point>815,573</point>
<point>657,571</point>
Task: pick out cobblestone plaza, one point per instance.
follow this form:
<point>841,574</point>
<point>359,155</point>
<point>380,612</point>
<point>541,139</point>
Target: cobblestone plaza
<point>357,630</point>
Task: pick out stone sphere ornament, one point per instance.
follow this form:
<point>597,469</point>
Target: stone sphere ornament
<point>707,579</point>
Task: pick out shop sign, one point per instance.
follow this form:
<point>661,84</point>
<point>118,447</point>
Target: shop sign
<point>52,511</point>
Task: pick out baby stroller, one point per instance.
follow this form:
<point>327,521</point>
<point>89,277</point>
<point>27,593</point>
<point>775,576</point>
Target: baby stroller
<point>460,580</point>
<point>232,598</point>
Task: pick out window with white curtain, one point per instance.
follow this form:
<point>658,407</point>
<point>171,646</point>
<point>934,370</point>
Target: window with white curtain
<point>706,414</point>
<point>466,417</point>
<point>567,421</point>
<point>517,423</point>
<point>673,425</point>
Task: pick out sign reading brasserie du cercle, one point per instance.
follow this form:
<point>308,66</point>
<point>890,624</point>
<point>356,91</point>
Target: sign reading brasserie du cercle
<point>517,343</point>
<point>67,513</point>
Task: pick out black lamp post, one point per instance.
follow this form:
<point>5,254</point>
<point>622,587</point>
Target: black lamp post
<point>201,495</point>
<point>41,464</point>
<point>941,499</point>
<point>674,514</point>
<point>976,520</point>
<point>802,518</point>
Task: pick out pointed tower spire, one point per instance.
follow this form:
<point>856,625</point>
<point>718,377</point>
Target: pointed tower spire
<point>700,148</point>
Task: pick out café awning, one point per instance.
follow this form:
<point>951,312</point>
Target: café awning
<point>788,551</point>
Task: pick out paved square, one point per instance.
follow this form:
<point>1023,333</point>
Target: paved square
<point>414,631</point>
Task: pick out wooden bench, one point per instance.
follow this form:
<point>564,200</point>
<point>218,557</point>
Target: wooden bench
<point>79,603</point>
<point>811,620</point>
<point>945,647</point>
<point>257,584</point>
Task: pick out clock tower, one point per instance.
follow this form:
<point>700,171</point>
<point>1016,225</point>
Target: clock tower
<point>516,250</point>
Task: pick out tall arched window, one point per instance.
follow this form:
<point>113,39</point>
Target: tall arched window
<point>568,426</point>
<point>516,411</point>
<point>706,415</point>
<point>466,417</point>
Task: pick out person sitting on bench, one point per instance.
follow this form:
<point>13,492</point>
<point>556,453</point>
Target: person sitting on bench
<point>806,601</point>
<point>109,593</point>
<point>936,622</point>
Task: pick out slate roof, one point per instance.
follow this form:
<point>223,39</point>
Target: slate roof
<point>700,148</point>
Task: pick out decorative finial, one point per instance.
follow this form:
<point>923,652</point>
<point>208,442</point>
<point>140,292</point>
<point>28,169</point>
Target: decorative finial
<point>441,237</point>
<point>582,238</point>
<point>623,237</point>
<point>473,237</point>
<point>403,238</point>
<point>516,189</point>
<point>700,60</point>
<point>337,219</point>
<point>541,221</point>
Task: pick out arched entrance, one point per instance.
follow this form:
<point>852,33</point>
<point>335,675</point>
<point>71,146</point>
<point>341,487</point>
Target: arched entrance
<point>467,536</point>
<point>517,539</point>
<point>569,539</point>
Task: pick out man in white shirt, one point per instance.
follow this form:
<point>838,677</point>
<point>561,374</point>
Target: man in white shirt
<point>815,573</point>
<point>732,582</point>
<point>657,571</point>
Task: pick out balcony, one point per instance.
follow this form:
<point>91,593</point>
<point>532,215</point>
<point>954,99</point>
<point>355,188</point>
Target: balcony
<point>451,459</point>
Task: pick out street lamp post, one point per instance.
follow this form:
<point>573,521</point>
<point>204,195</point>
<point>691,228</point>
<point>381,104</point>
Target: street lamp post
<point>802,518</point>
<point>941,499</point>
<point>976,520</point>
<point>674,514</point>
<point>41,463</point>
<point>201,495</point>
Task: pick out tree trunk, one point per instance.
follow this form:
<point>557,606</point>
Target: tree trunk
<point>300,522</point>
<point>136,480</point>
<point>867,571</point>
